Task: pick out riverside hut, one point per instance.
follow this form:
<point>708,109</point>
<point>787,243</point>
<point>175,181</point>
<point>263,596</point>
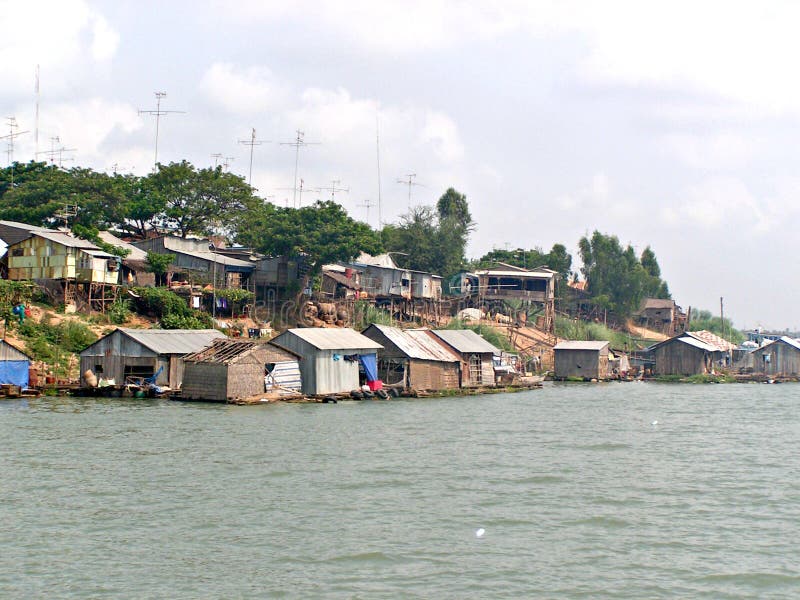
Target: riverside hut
<point>685,354</point>
<point>588,360</point>
<point>332,360</point>
<point>14,365</point>
<point>145,353</point>
<point>415,359</point>
<point>477,366</point>
<point>230,370</point>
<point>778,358</point>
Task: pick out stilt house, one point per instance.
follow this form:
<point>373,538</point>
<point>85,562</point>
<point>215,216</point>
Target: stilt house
<point>415,359</point>
<point>588,360</point>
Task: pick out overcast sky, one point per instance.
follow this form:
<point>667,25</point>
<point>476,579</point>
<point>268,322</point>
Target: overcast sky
<point>673,125</point>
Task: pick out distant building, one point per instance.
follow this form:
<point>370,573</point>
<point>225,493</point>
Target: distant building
<point>237,369</point>
<point>477,356</point>
<point>777,358</point>
<point>331,358</point>
<point>687,354</point>
<point>415,359</point>
<point>142,353</point>
<point>661,314</point>
<point>201,258</point>
<point>585,359</point>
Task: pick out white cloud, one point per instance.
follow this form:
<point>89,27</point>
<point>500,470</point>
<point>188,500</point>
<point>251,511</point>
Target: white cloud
<point>442,133</point>
<point>244,90</point>
<point>59,36</point>
<point>711,151</point>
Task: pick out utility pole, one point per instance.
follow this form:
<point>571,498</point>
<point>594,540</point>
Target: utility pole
<point>252,142</point>
<point>12,125</point>
<point>333,188</point>
<point>410,183</point>
<point>298,143</point>
<point>158,113</point>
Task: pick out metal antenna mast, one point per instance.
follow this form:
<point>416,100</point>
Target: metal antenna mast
<point>227,162</point>
<point>12,124</point>
<point>367,205</point>
<point>333,188</point>
<point>53,152</point>
<point>378,154</point>
<point>252,142</point>
<point>295,190</point>
<point>216,156</point>
<point>158,113</point>
<point>36,129</point>
<point>410,183</point>
<point>298,143</point>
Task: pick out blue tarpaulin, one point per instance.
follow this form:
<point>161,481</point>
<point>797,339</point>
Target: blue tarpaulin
<point>14,371</point>
<point>370,364</point>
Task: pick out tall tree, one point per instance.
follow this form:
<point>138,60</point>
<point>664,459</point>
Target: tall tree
<point>203,201</point>
<point>323,233</point>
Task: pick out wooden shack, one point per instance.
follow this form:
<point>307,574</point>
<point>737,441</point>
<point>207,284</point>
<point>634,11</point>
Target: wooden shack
<point>778,358</point>
<point>14,365</point>
<point>477,365</point>
<point>230,370</point>
<point>415,359</point>
<point>142,353</point>
<point>584,359</point>
<point>684,354</point>
<point>331,359</point>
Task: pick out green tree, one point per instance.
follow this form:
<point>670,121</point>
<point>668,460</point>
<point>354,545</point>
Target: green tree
<point>203,201</point>
<point>159,264</point>
<point>323,233</point>
<point>616,276</point>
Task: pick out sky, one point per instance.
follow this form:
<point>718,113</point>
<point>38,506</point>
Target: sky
<point>673,125</point>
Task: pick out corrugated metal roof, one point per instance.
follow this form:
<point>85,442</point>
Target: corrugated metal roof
<point>786,340</point>
<point>98,253</point>
<point>174,341</point>
<point>334,339</point>
<point>580,345</point>
<point>520,274</point>
<point>134,253</point>
<point>65,240</point>
<point>712,339</point>
<point>417,343</point>
<point>229,350</point>
<point>657,303</point>
<point>698,344</point>
<point>465,340</point>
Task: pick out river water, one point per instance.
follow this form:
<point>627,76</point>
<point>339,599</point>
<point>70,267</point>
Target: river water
<point>583,490</point>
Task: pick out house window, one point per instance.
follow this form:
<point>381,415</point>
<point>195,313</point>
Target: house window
<point>98,369</point>
<point>475,370</point>
<point>18,252</point>
<point>85,261</point>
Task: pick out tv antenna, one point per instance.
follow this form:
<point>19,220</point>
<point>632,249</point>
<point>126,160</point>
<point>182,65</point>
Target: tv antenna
<point>53,152</point>
<point>158,113</point>
<point>298,143</point>
<point>226,163</point>
<point>410,183</point>
<point>252,142</point>
<point>367,204</point>
<point>295,190</point>
<point>69,211</point>
<point>333,188</point>
<point>378,156</point>
<point>216,156</point>
<point>12,125</point>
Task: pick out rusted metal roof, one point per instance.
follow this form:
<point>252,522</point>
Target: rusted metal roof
<point>227,351</point>
<point>465,341</point>
<point>174,341</point>
<point>332,339</point>
<point>417,343</point>
<point>580,345</point>
<point>658,304</point>
<point>712,339</point>
<point>785,339</point>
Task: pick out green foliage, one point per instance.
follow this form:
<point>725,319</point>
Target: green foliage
<point>48,342</point>
<point>171,310</point>
<point>433,240</point>
<point>200,201</point>
<point>571,329</point>
<point>233,294</point>
<point>618,280</point>
<point>704,320</point>
<point>323,232</point>
<point>158,264</point>
<point>119,312</point>
<point>365,314</point>
<point>490,334</point>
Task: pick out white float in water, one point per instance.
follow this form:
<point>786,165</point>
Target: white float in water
<point>479,532</point>
<point>654,423</point>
